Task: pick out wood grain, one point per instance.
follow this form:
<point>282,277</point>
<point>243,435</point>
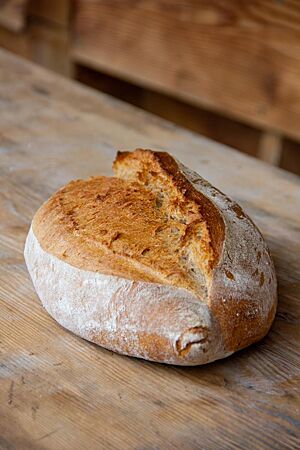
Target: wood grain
<point>270,148</point>
<point>291,156</point>
<point>58,391</point>
<point>240,58</point>
<point>210,124</point>
<point>41,42</point>
<point>13,14</point>
<point>56,11</point>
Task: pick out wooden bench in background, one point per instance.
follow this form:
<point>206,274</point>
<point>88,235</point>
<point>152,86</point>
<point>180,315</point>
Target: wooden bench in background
<point>38,30</point>
<point>229,70</point>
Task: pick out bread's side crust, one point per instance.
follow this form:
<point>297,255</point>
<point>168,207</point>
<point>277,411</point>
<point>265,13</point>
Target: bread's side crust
<point>243,289</point>
<point>146,320</point>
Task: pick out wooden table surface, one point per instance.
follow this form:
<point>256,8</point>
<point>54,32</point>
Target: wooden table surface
<point>58,391</point>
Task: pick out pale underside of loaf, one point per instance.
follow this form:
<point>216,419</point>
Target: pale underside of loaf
<point>146,320</point>
<point>154,263</point>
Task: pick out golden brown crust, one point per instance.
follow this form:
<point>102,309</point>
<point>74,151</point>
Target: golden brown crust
<point>162,161</point>
<point>125,228</point>
<point>240,326</point>
<point>208,211</point>
<point>102,225</point>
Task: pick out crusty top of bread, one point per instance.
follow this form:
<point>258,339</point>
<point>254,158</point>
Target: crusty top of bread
<point>157,221</point>
<point>148,227</point>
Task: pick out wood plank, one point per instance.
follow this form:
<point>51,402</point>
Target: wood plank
<point>209,124</point>
<point>291,156</point>
<point>240,58</point>
<point>58,391</point>
<point>56,12</point>
<point>50,47</point>
<point>270,148</point>
<point>17,43</point>
<point>42,43</point>
<point>13,14</point>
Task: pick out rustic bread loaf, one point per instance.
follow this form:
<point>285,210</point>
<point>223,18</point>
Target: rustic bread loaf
<point>153,263</point>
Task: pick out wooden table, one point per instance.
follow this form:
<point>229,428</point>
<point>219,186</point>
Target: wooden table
<point>58,391</point>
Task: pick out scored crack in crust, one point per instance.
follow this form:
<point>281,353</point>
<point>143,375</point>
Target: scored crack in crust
<point>145,229</point>
<point>159,223</point>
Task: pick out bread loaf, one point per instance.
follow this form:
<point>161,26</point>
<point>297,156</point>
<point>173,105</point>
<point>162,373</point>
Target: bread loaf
<point>153,263</point>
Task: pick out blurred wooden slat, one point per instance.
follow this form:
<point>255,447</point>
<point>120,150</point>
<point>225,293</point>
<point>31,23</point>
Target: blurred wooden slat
<point>207,123</point>
<point>290,159</point>
<point>13,14</point>
<point>270,148</point>
<point>50,47</point>
<point>42,43</point>
<point>15,42</point>
<point>116,87</point>
<point>240,58</point>
<point>56,11</point>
